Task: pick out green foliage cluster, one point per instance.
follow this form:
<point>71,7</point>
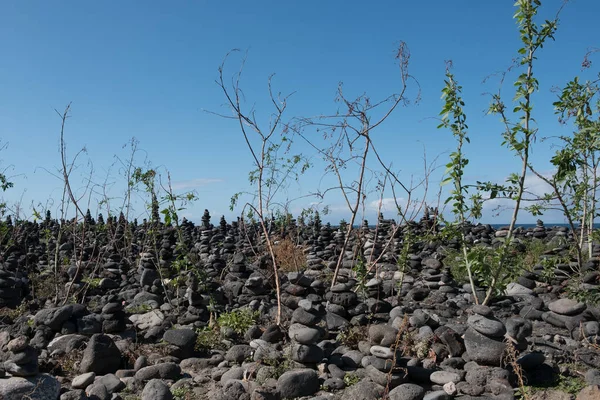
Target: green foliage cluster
<point>279,366</point>
<point>182,393</point>
<point>351,379</point>
<point>92,282</point>
<point>239,320</point>
<point>567,383</point>
<point>352,335</point>
<point>574,184</point>
<point>208,338</point>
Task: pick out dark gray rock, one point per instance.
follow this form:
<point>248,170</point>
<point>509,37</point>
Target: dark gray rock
<point>101,356</point>
<point>156,389</point>
<point>298,383</point>
<point>53,317</point>
<point>363,390</point>
<point>239,353</point>
<point>168,370</point>
<point>304,334</point>
<point>111,382</point>
<point>482,349</point>
<point>307,354</point>
<point>97,391</point>
<point>486,326</point>
<point>407,391</point>
<point>40,387</point>
<point>566,307</point>
<point>184,338</point>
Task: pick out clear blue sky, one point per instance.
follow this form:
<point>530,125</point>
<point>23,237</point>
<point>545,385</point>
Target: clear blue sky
<point>147,69</point>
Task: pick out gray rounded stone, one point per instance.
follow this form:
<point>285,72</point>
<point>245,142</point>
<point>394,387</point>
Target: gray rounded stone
<point>483,349</point>
<point>382,352</point>
<point>307,354</point>
<point>486,326</point>
<point>304,334</point>
<point>298,383</point>
<point>40,387</point>
<point>407,391</point>
<point>443,377</point>
<point>97,391</point>
<point>156,389</point>
<point>180,337</point>
<point>566,307</point>
<point>84,380</point>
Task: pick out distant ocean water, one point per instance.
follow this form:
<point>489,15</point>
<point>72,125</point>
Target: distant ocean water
<point>498,226</point>
<point>547,225</point>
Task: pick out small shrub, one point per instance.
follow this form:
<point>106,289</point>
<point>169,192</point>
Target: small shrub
<point>67,363</point>
<point>13,314</point>
<point>42,285</point>
<point>208,339</point>
<point>534,249</point>
<point>94,283</point>
<point>280,366</point>
<point>352,335</point>
<point>351,379</point>
<point>138,309</point>
<point>238,320</point>
<point>568,382</point>
<point>182,393</point>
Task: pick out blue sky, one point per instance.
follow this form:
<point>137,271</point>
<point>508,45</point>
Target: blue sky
<point>148,69</point>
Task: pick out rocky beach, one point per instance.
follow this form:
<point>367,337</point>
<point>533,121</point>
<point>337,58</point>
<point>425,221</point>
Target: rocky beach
<point>139,317</point>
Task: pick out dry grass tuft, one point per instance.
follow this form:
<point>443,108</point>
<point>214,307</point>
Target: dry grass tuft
<point>290,258</point>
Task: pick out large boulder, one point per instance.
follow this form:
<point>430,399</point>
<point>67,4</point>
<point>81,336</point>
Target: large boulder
<point>483,349</point>
<point>298,383</point>
<point>40,387</point>
<point>156,389</point>
<point>101,356</point>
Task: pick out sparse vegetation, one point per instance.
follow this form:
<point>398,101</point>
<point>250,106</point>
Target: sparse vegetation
<point>239,286</point>
<point>239,320</point>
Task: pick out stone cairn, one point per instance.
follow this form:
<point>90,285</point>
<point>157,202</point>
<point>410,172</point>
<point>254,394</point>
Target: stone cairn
<point>22,358</point>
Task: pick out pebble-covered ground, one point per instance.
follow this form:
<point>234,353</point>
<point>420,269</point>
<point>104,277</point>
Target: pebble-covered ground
<point>141,316</point>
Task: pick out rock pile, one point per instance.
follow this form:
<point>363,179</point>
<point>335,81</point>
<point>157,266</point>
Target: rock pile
<point>401,326</point>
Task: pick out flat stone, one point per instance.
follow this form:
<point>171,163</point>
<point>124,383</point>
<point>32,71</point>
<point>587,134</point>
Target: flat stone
<point>407,391</point>
<point>84,380</point>
<point>437,395</point>
<point>382,352</point>
<point>183,338</point>
<point>486,326</point>
<point>147,320</point>
<point>167,370</point>
<point>304,334</point>
<point>482,310</point>
<point>40,387</point>
<point>515,289</point>
<point>566,307</point>
<point>298,383</point>
<point>112,383</point>
<point>443,377</point>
